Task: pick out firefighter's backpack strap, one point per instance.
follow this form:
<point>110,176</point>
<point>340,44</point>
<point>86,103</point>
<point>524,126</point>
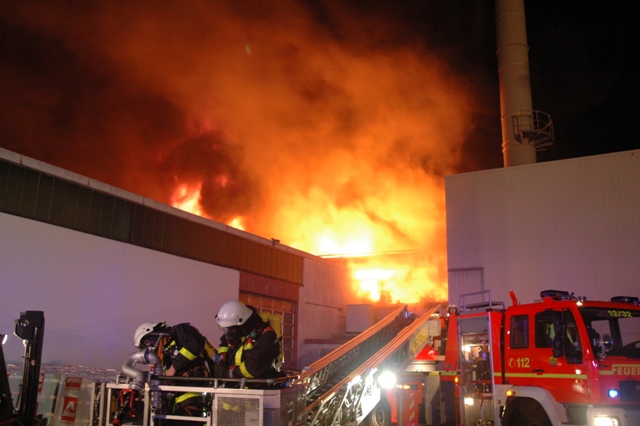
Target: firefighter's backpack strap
<point>209,350</point>
<point>209,354</point>
<point>275,321</point>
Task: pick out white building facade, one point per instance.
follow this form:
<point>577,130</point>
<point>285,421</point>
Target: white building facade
<point>99,261</point>
<point>569,225</point>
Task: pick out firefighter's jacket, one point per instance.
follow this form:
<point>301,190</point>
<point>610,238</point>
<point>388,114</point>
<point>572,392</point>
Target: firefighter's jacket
<point>257,354</point>
<point>185,351</point>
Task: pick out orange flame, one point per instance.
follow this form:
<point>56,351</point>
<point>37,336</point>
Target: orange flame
<point>394,235</point>
<point>398,281</point>
<point>237,222</point>
<point>379,274</point>
<point>187,197</point>
<point>335,153</point>
<point>370,279</point>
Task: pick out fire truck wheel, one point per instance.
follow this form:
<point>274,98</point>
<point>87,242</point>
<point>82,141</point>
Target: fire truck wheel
<point>525,412</point>
<point>380,415</point>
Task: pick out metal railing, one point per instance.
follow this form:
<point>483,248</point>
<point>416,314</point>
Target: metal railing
<point>482,304</point>
<point>340,388</point>
<point>225,401</point>
<point>535,126</point>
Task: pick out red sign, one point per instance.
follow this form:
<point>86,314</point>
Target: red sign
<point>73,382</point>
<point>69,408</point>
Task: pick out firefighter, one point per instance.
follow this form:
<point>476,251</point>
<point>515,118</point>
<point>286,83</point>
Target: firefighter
<point>452,311</point>
<point>250,347</point>
<point>183,352</point>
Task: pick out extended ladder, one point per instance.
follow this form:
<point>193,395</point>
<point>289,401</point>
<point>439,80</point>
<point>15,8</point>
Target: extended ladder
<point>341,387</point>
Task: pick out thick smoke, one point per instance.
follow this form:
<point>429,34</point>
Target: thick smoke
<point>309,120</point>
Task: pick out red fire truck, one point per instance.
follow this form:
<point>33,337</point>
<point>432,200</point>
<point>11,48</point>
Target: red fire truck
<point>562,360</point>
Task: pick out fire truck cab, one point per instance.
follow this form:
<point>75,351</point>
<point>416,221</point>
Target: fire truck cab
<point>569,360</point>
<point>560,360</point>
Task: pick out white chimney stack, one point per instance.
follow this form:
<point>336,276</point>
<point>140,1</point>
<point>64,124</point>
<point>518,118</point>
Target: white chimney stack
<point>523,129</point>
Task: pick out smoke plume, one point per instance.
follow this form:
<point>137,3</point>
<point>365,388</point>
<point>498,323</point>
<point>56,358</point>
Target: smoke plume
<point>312,122</point>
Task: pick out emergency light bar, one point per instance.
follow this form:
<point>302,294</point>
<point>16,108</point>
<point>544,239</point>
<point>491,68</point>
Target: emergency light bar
<point>626,299</point>
<point>556,294</point>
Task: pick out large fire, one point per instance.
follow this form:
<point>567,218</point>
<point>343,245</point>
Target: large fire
<point>326,125</point>
<point>387,277</point>
<point>396,281</point>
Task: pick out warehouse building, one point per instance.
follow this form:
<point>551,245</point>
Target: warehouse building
<point>99,261</point>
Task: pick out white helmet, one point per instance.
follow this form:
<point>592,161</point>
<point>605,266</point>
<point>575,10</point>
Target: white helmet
<point>146,329</point>
<point>233,313</point>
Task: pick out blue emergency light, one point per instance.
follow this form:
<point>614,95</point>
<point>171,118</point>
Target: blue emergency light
<point>626,299</point>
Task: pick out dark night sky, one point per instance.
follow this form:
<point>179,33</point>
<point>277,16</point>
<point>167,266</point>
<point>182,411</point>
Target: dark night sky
<point>581,64</point>
<point>582,72</point>
<point>82,88</point>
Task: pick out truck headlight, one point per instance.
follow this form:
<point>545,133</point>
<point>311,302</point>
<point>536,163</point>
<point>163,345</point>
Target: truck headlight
<point>606,421</point>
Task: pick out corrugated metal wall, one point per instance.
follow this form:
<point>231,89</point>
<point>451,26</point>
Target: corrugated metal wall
<point>572,225</point>
<point>33,194</point>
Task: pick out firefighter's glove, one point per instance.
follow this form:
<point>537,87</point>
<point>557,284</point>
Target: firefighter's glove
<point>220,358</point>
<point>222,372</point>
